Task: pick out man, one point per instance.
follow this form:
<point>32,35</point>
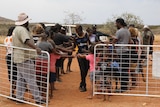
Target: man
<point>100,36</point>
<point>148,39</point>
<point>123,37</point>
<point>25,59</point>
<point>82,42</point>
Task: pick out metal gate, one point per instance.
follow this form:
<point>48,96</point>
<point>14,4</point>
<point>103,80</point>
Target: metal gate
<point>38,77</point>
<point>132,72</point>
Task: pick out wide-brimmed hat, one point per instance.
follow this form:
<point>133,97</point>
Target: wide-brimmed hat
<point>22,19</point>
<point>146,27</point>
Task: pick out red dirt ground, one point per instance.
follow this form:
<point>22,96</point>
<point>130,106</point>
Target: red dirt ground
<point>68,95</point>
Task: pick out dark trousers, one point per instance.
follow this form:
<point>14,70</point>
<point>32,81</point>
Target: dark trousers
<point>14,68</point>
<point>124,65</point>
<point>84,66</point>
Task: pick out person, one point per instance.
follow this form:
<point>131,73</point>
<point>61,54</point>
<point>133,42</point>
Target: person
<point>90,58</point>
<point>37,30</point>
<point>134,55</point>
<point>123,36</point>
<point>45,45</point>
<point>100,36</point>
<point>93,39</point>
<point>59,39</point>
<point>82,42</point>
<point>148,39</point>
<point>25,59</point>
<point>8,43</point>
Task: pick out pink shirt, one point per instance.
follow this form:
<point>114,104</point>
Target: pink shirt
<point>53,58</point>
<point>90,57</point>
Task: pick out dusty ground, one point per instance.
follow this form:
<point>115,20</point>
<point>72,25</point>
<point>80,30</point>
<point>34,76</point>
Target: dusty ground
<point>68,95</point>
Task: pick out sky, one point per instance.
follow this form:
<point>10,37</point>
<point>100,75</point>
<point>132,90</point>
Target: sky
<point>91,11</point>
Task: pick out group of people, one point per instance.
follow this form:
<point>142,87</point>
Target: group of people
<point>59,46</point>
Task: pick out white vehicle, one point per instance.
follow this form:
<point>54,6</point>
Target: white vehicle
<point>70,29</point>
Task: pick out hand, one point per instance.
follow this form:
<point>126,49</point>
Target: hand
<point>38,51</point>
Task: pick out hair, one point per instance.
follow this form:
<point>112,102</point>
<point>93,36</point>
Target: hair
<point>79,28</point>
<point>37,29</point>
<point>10,30</point>
<point>89,30</point>
<point>43,25</point>
<point>57,27</point>
<point>121,21</point>
<point>133,32</point>
<point>131,25</point>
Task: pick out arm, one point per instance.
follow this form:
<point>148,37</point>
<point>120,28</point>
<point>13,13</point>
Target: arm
<point>31,44</point>
<point>81,56</point>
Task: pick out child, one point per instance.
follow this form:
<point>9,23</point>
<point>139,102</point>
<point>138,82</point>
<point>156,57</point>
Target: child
<point>42,63</point>
<point>8,43</point>
<point>90,57</point>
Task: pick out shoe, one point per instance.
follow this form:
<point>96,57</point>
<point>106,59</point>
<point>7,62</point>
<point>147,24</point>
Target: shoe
<point>41,102</point>
<point>14,96</point>
<point>83,89</point>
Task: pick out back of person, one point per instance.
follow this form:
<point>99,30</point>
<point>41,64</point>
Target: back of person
<point>18,41</point>
<point>147,35</point>
<point>123,36</point>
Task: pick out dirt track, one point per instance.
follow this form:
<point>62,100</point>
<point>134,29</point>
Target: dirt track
<point>68,95</point>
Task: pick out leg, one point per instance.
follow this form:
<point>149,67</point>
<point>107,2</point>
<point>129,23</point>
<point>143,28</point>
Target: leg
<point>20,90</point>
<point>84,66</point>
<point>69,63</point>
<point>51,94</point>
<point>62,65</point>
<point>30,78</point>
<point>124,71</point>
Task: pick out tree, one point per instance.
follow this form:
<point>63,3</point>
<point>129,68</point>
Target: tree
<point>129,19</point>
<point>72,18</point>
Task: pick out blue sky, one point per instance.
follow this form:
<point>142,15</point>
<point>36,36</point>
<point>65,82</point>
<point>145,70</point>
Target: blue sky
<point>92,11</point>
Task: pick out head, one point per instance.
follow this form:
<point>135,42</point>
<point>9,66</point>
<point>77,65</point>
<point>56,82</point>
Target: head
<point>10,30</point>
<point>22,19</point>
<point>57,27</point>
<point>133,32</point>
<point>63,30</point>
<point>145,28</point>
<point>37,29</point>
<point>89,31</point>
<point>120,23</point>
<point>94,28</point>
<point>79,30</point>
<point>43,25</point>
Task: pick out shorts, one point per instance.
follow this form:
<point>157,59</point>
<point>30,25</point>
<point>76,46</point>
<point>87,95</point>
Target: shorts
<point>52,77</point>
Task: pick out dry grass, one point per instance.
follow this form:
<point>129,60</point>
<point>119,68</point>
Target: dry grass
<point>157,39</point>
<point>2,39</point>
